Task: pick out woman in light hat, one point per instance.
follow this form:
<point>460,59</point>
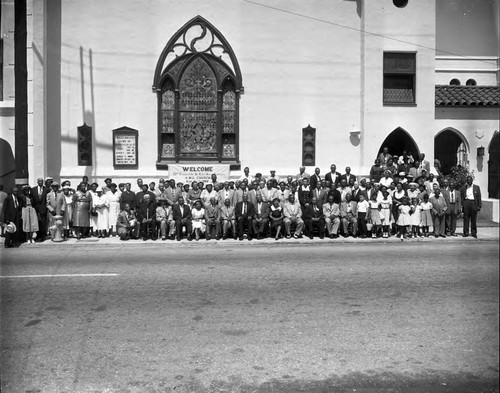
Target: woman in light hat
<point>28,215</point>
<point>101,205</point>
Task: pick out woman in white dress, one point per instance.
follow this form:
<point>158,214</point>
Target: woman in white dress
<point>198,219</point>
<point>93,211</point>
<point>101,206</point>
<point>29,216</point>
<point>114,199</point>
<point>385,212</point>
<point>68,213</point>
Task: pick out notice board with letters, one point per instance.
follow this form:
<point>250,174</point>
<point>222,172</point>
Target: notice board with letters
<point>125,148</point>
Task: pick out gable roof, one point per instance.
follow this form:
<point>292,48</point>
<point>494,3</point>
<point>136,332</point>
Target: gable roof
<point>451,95</point>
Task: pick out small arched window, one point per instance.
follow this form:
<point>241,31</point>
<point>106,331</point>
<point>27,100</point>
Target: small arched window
<point>455,82</point>
<point>470,82</point>
<point>198,82</point>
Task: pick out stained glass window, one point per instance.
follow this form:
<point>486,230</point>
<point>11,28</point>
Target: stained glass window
<point>198,84</point>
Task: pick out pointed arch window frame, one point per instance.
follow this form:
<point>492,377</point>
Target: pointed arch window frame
<point>228,73</point>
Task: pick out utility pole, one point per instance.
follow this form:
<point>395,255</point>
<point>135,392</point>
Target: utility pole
<point>21,93</point>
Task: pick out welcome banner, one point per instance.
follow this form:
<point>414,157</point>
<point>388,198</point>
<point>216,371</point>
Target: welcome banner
<point>198,172</point>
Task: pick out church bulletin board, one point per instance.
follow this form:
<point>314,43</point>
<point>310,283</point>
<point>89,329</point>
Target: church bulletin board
<point>125,148</point>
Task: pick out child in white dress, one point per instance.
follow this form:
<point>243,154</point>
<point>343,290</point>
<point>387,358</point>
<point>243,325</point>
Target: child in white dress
<point>404,219</point>
<point>375,215</point>
<point>425,215</point>
<point>385,213</point>
<point>416,217</point>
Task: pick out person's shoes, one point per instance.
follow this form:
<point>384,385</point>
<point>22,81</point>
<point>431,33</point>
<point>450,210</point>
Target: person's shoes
<point>163,238</point>
<point>189,238</point>
<point>321,236</point>
<point>311,237</point>
<point>240,238</point>
<point>331,236</point>
<point>288,236</point>
<point>217,237</point>
<point>250,238</point>
<point>436,236</point>
<point>443,235</point>
<point>178,239</point>
<point>144,238</point>
<point>465,235</point>
<point>363,236</point>
<point>454,235</point>
<point>224,237</point>
<point>474,236</point>
<point>208,237</point>
<point>258,236</point>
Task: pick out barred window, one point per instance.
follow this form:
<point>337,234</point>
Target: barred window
<point>399,78</point>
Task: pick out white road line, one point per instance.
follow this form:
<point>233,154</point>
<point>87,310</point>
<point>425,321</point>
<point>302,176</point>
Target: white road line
<point>63,275</point>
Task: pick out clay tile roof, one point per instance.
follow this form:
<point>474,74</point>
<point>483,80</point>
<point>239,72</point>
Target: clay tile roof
<point>450,95</point>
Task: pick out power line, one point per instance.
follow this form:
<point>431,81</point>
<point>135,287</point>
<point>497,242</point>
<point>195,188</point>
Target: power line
<point>359,30</point>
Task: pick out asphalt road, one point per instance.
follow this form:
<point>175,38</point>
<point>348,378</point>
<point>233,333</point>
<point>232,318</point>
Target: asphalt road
<point>409,317</point>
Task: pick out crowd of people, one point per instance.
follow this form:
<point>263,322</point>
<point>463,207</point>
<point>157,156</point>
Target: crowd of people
<point>400,198</point>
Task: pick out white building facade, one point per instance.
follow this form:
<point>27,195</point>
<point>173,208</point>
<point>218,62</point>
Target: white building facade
<point>233,84</point>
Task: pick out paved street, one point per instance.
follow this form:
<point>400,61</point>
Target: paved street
<point>247,317</point>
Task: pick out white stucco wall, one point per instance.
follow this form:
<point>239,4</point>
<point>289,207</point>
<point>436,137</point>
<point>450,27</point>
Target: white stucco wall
<point>296,71</point>
<point>398,29</point>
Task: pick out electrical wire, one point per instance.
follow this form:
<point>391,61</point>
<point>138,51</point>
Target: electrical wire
<point>360,30</point>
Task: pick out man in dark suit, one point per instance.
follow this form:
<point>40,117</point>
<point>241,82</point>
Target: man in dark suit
<point>39,195</point>
<point>347,176</point>
<point>337,196</point>
<point>182,217</point>
<point>146,215</point>
<point>471,205</point>
<point>244,212</point>
<point>315,179</point>
<point>127,196</point>
<point>333,176</point>
<point>140,195</point>
<point>313,215</point>
<point>261,217</point>
<point>12,213</point>
<point>454,208</point>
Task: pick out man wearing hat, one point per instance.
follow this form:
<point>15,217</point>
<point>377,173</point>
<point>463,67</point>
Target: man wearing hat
<point>56,203</point>
<point>12,216</point>
<point>165,219</point>
<point>39,195</point>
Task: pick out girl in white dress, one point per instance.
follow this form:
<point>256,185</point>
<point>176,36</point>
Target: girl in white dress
<point>385,212</point>
<point>375,215</point>
<point>404,219</point>
<point>416,217</point>
<point>114,199</point>
<point>101,206</point>
<point>198,219</point>
<point>425,215</point>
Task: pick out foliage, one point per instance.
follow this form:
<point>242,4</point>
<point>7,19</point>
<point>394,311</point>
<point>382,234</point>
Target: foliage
<point>457,175</point>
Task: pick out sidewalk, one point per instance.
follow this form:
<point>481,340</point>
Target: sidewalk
<point>490,233</point>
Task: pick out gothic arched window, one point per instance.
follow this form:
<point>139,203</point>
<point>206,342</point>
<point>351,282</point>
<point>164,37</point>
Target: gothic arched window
<point>198,83</point>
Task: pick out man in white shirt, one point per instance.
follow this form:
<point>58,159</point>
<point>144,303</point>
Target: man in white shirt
<point>293,214</point>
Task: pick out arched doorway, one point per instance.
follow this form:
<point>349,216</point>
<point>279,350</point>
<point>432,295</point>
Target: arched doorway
<point>398,141</point>
<point>493,166</point>
<point>7,166</point>
<point>451,149</point>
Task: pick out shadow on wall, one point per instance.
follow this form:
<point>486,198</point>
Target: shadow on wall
<point>53,88</point>
<point>7,165</point>
<point>88,115</point>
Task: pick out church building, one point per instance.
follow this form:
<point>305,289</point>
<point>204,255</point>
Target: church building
<point>182,89</point>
